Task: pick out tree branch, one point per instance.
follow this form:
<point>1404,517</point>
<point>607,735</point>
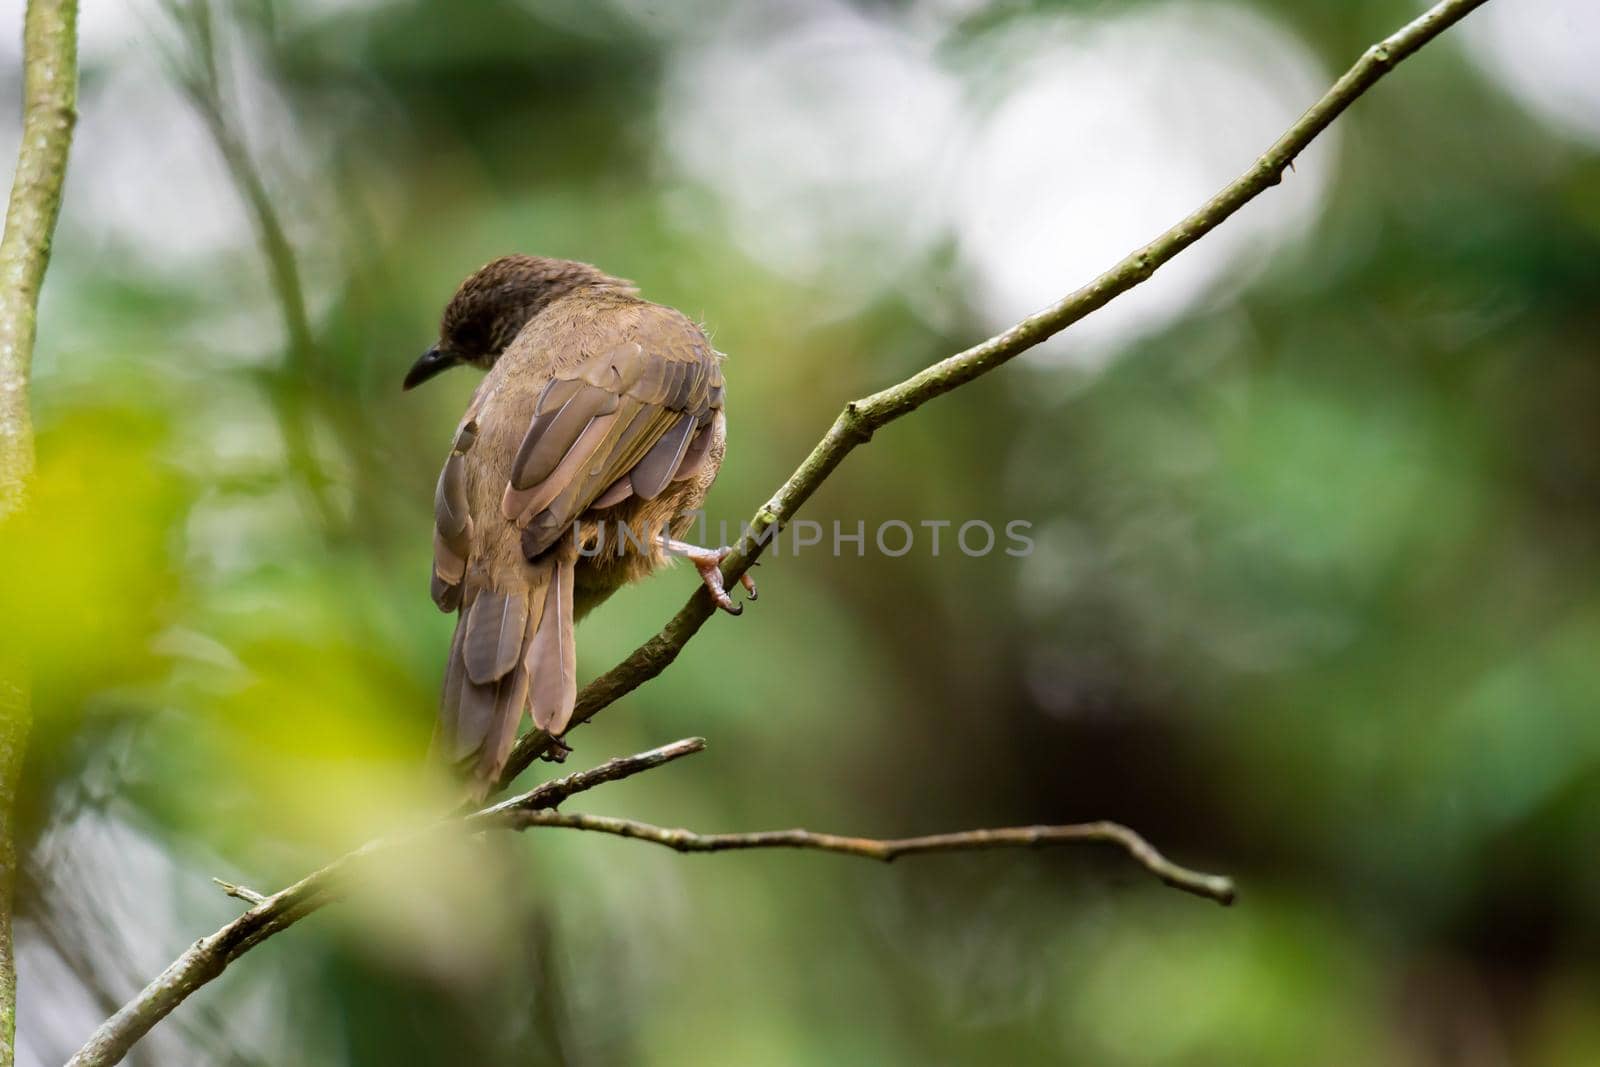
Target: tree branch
<point>201,81</point>
<point>268,915</point>
<point>209,956</point>
<point>1210,886</point>
<point>49,112</point>
<point>861,418</point>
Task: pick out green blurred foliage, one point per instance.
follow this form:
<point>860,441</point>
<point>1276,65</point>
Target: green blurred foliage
<point>1315,602</point>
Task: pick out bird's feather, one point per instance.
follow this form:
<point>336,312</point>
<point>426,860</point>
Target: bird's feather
<point>494,628</point>
<point>632,411</point>
<point>551,663</point>
<point>652,473</point>
<point>699,448</point>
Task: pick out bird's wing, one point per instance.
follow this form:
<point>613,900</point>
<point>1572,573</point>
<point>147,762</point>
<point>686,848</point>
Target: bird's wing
<point>625,423</point>
<point>452,522</point>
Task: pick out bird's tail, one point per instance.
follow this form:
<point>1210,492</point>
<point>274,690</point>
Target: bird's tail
<point>510,650</point>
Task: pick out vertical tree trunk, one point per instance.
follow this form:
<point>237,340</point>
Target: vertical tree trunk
<point>50,86</point>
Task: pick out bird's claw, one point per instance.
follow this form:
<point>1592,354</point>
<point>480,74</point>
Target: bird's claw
<point>557,751</point>
<point>708,561</point>
<point>710,568</point>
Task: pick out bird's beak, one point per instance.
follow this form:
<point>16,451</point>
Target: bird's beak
<point>432,362</point>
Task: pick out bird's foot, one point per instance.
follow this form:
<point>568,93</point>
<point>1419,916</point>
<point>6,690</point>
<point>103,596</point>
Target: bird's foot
<point>708,561</point>
<point>557,752</point>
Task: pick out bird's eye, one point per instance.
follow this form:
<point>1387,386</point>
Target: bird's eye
<point>469,338</point>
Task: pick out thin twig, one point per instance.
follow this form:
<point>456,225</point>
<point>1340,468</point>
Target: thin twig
<point>861,418</point>
<point>207,957</point>
<point>49,112</point>
<point>201,81</point>
<point>240,892</point>
<point>1211,886</point>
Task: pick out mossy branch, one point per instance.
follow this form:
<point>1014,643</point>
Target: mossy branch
<point>49,112</point>
<point>860,419</point>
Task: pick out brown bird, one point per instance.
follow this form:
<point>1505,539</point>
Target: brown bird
<point>597,429</point>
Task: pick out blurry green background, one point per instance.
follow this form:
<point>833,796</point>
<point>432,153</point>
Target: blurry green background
<point>1315,600</point>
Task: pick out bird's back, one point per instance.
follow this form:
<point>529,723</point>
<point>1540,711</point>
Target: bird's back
<point>558,342</point>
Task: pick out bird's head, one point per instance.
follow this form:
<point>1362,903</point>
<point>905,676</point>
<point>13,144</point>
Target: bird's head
<point>493,305</point>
